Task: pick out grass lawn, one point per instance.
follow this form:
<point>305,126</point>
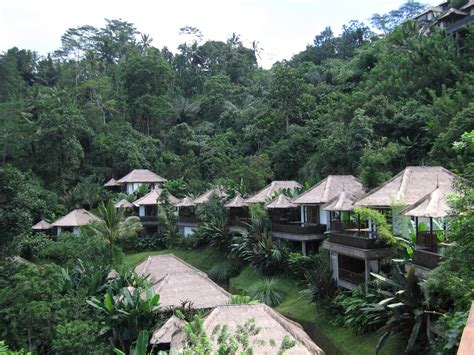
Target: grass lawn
<point>335,340</point>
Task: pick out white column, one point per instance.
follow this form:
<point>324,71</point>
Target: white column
<point>141,211</point>
<point>303,247</point>
<point>302,209</point>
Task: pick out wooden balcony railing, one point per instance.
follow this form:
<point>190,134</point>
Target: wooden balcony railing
<point>460,23</point>
<point>351,276</point>
<point>149,219</point>
<point>187,219</point>
<point>297,228</point>
<point>357,240</point>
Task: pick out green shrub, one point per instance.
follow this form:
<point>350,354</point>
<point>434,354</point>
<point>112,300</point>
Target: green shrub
<point>268,291</point>
<point>298,264</point>
<point>68,248</point>
<point>223,271</point>
<point>320,284</point>
<point>31,245</point>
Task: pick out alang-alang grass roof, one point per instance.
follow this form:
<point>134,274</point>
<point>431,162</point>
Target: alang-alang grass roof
<point>272,329</point>
<point>176,282</point>
<point>343,202</point>
<point>76,218</point>
<point>282,201</point>
<point>141,175</point>
<point>185,202</point>
<point>42,225</point>
<point>330,187</point>
<point>218,190</point>
<point>153,198</point>
<point>408,186</point>
<point>236,202</point>
<point>433,205</point>
<point>267,193</point>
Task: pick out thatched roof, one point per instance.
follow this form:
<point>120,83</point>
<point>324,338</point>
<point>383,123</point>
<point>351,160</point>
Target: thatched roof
<point>176,282</point>
<point>219,191</point>
<point>282,201</point>
<point>76,218</point>
<point>159,266</point>
<point>164,334</point>
<point>185,202</point>
<point>123,203</point>
<point>197,289</point>
<point>236,202</point>
<point>468,5</point>
<point>430,9</point>
<point>152,198</point>
<point>42,226</point>
<point>141,175</point>
<point>408,186</point>
<point>343,202</point>
<point>273,328</point>
<point>330,187</point>
<point>434,205</point>
<point>111,183</point>
<point>268,191</point>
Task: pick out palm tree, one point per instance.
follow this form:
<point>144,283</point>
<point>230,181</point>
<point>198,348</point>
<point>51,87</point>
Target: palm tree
<point>112,224</point>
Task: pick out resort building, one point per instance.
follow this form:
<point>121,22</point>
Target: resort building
<point>449,18</point>
<point>187,220</point>
<point>429,215</point>
<point>134,179</point>
<point>354,246</point>
<point>238,213</point>
<point>274,328</point>
<point>148,209</point>
<point>73,220</point>
<point>42,226</point>
<point>302,220</point>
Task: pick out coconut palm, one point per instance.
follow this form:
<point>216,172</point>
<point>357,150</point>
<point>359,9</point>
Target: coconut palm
<point>113,225</point>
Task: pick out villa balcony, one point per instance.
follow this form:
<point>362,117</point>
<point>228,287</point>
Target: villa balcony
<point>457,25</point>
<point>298,228</point>
<point>360,239</point>
<point>187,220</point>
<point>297,231</point>
<point>149,219</point>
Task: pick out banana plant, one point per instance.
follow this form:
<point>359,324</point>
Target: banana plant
<point>124,315</point>
<point>404,302</point>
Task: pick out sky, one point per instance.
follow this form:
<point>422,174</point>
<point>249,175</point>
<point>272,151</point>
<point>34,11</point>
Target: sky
<point>281,27</point>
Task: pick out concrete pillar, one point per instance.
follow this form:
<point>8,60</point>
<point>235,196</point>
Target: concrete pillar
<point>59,231</point>
<point>303,247</point>
<point>302,212</point>
<point>141,211</point>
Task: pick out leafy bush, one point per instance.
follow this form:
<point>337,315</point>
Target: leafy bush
<point>31,245</point>
<point>68,248</point>
<point>77,337</point>
<point>355,315</point>
<point>223,271</point>
<point>212,224</point>
<point>298,264</point>
<point>241,299</point>
<point>321,287</point>
<point>268,291</point>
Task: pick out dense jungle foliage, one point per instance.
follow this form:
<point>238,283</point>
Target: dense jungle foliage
<point>107,101</point>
